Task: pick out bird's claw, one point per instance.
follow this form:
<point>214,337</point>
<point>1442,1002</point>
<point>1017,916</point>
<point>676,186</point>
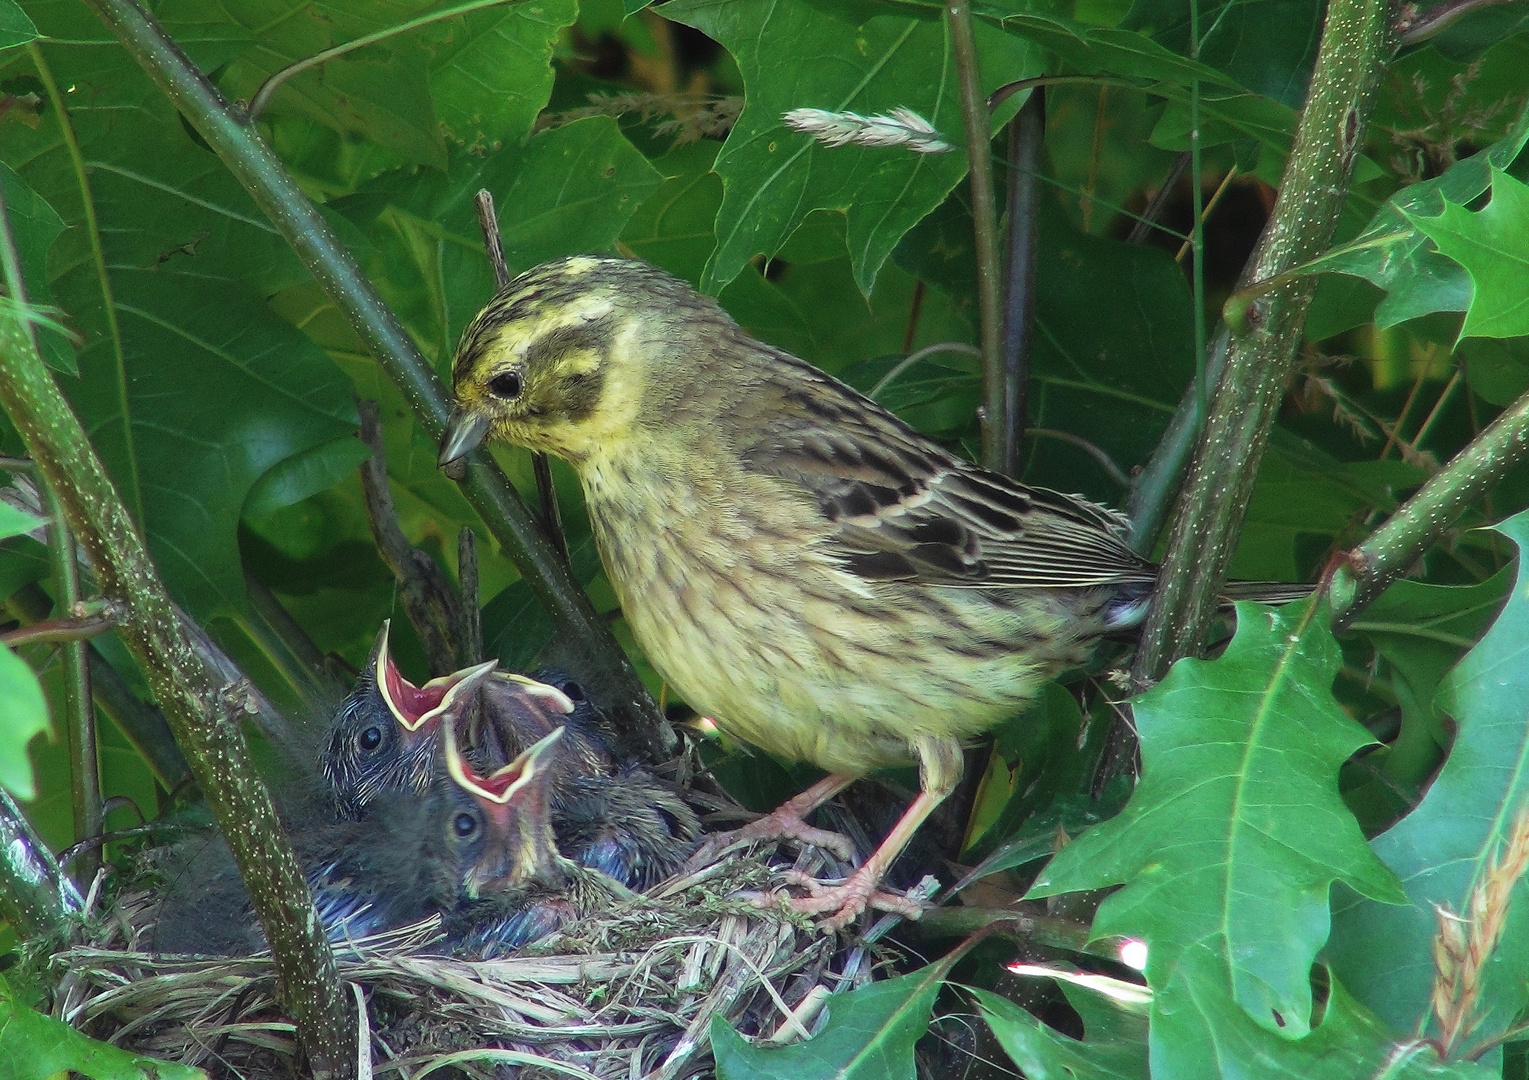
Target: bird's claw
<point>840,903</point>
<point>773,826</point>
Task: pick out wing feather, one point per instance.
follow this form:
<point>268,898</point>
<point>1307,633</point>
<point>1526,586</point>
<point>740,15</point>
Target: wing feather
<point>905,509</point>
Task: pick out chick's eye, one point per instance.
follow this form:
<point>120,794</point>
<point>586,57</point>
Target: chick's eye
<point>506,385</point>
<point>371,738</point>
<point>464,825</point>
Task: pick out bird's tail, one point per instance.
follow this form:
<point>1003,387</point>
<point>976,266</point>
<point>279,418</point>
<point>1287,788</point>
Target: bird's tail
<point>1267,592</point>
<point>1128,607</point>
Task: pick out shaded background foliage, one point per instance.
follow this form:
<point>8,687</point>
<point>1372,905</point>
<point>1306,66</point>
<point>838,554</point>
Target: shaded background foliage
<point>218,383</point>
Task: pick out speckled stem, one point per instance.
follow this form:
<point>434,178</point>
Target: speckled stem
<point>202,710</point>
<point>1357,41</point>
<point>587,646</point>
<point>1394,547</point>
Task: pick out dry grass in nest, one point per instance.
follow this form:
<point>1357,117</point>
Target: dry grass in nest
<point>625,993</point>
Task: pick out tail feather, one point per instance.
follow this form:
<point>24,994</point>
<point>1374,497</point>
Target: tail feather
<point>1267,592</point>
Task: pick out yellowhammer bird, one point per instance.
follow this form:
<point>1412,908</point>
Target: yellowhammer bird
<point>799,564</point>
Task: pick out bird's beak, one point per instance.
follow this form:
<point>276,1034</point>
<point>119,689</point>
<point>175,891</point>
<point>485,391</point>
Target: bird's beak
<point>465,431</point>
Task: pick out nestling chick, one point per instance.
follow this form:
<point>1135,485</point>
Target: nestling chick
<point>406,861</point>
<point>616,819</point>
<point>518,885</point>
<point>798,563</point>
<point>383,738</point>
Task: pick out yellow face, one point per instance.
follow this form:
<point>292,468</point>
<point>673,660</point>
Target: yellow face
<point>543,365</point>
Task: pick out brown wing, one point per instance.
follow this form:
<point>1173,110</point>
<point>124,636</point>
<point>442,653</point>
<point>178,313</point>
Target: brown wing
<point>905,509</point>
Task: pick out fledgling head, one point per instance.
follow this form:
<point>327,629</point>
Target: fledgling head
<point>517,847</point>
<point>563,359</point>
<point>383,737</point>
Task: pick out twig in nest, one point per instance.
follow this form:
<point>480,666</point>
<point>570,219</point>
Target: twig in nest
<point>470,634</point>
<point>428,599</point>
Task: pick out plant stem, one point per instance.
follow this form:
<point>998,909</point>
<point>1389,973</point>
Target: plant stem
<point>1356,42</point>
<point>1027,133</point>
<point>427,597</point>
<point>35,896</point>
<point>203,711</point>
<point>79,705</point>
<point>995,420</point>
<point>1412,530</point>
<point>587,646</point>
<point>1154,488</point>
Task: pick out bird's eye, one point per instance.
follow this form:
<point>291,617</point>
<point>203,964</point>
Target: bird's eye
<point>371,738</point>
<point>506,385</point>
<point>573,691</point>
<point>464,825</point>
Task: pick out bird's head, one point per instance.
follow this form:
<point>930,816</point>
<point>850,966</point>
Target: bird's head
<point>383,736</point>
<point>511,811</point>
<point>572,355</point>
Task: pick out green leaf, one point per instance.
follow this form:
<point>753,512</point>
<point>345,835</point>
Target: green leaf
<point>303,474</point>
<point>869,1035</point>
<point>492,70</point>
<point>568,190</point>
<point>218,391</point>
<point>516,626</point>
<point>1235,832</point>
<point>37,1047</point>
<point>1268,48</point>
<point>15,27</point>
<point>35,225</point>
<point>1394,254</point>
<point>1421,631</point>
<point>1043,1053</point>
<point>1493,246</point>
<point>1498,370</point>
<point>1199,1033</point>
<point>1111,381</point>
<point>26,714</point>
<point>1096,50</point>
<point>1444,846</point>
<point>14,521</point>
<point>773,177</point>
<point>381,93</point>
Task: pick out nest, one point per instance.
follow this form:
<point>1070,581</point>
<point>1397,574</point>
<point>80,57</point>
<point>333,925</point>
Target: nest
<point>630,992</point>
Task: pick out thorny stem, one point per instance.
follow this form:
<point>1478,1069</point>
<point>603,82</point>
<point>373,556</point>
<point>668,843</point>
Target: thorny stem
<point>584,644</point>
<point>995,421</point>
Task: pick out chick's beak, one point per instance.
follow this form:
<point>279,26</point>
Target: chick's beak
<point>465,431</point>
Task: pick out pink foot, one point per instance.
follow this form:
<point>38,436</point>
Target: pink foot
<point>781,824</point>
<point>847,900</point>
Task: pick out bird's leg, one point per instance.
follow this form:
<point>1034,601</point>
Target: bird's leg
<point>785,822</point>
<point>940,767</point>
